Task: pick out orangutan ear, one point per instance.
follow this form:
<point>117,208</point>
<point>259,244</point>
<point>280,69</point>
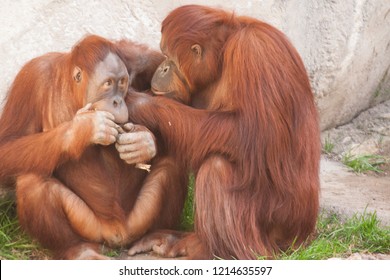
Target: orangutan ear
<point>197,50</point>
<point>77,74</point>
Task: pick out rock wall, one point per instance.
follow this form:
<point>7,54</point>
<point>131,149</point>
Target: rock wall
<point>345,44</point>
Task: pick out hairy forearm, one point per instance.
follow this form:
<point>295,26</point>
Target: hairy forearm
<point>187,132</point>
<point>42,152</point>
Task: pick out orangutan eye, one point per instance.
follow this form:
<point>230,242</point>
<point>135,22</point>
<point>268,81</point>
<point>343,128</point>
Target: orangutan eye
<point>108,83</point>
<point>122,81</point>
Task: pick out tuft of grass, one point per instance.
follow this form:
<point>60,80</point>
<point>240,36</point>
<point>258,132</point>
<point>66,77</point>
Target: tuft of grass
<point>361,233</point>
<point>14,243</point>
<point>187,217</point>
<point>113,252</point>
<point>328,146</point>
<point>364,163</point>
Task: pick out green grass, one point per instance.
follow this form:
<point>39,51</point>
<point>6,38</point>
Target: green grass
<point>187,217</point>
<point>328,146</point>
<point>364,163</point>
<point>334,237</point>
<point>14,244</point>
<point>359,234</point>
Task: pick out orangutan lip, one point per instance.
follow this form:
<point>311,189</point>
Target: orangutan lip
<point>156,92</point>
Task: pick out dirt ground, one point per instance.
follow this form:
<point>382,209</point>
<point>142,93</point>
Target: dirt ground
<point>345,191</point>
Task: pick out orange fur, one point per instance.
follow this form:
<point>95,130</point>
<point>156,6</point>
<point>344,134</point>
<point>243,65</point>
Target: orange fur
<point>71,195</point>
<point>253,140</point>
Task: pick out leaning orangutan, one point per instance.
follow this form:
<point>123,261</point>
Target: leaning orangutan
<point>74,193</point>
<point>252,138</point>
